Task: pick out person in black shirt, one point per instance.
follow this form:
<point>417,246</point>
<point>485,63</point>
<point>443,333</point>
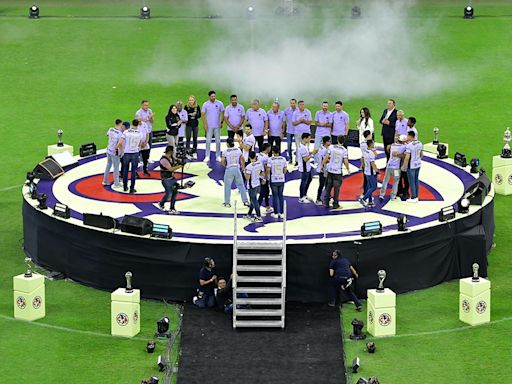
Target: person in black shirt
<point>173,122</point>
<point>342,275</point>
<point>192,127</point>
<point>388,121</point>
<point>224,295</point>
<point>207,280</point>
<point>169,182</point>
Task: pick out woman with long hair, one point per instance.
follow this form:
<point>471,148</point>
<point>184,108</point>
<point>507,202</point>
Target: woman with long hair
<point>173,122</point>
<point>365,122</point>
<point>192,127</point>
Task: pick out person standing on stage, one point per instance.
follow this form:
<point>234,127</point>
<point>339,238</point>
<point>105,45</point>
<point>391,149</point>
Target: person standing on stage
<point>320,169</point>
<point>213,117</point>
<point>370,172</point>
<point>276,125</point>
<point>364,123</point>
<point>336,157</point>
<point>167,168</point>
<point>192,128</point>
<point>146,115</point>
<point>247,142</point>
<point>233,160</point>
<point>258,119</point>
<point>304,158</point>
<point>276,171</point>
<point>411,126</point>
<point>388,121</point>
<point>401,124</point>
<point>323,121</point>
<point>234,116</point>
<point>124,127</point>
<point>145,148</point>
<point>290,130</point>
<point>265,187</point>
<point>367,135</point>
<point>182,113</point>
<point>253,173</point>
<point>207,281</point>
<point>342,274</point>
<point>340,122</point>
<point>113,154</point>
<point>393,167</point>
<point>302,122</point>
<point>412,164</point>
<point>173,123</point>
<point>131,141</point>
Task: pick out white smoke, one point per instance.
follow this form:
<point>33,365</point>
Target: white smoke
<point>313,55</point>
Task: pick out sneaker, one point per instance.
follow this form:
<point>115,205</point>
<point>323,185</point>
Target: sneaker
<point>381,198</point>
<point>359,309</point>
<point>248,217</point>
<point>173,212</point>
<point>105,183</point>
<point>331,303</point>
<point>362,202</point>
<point>274,216</point>
<point>304,200</point>
<point>270,209</point>
<point>125,188</point>
<point>412,200</point>
<point>205,160</point>
<point>146,173</point>
<point>162,208</point>
<point>247,204</point>
<point>337,206</point>
<point>392,199</point>
<point>117,187</point>
<point>258,219</point>
<point>371,205</point>
<point>227,205</point>
<point>318,202</point>
<point>281,216</point>
<point>218,159</point>
<point>132,191</point>
<point>194,156</point>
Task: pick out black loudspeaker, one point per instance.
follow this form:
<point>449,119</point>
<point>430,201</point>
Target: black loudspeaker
<point>48,169</point>
<point>478,190</point>
<point>352,139</point>
<point>99,221</point>
<point>136,225</point>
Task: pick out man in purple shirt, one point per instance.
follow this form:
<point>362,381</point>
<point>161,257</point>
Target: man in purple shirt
<point>401,123</point>
<point>323,121</point>
<point>234,116</point>
<point>290,129</point>
<point>212,115</point>
<point>258,119</point>
<point>276,124</point>
<point>302,120</point>
<point>340,122</point>
<point>146,115</point>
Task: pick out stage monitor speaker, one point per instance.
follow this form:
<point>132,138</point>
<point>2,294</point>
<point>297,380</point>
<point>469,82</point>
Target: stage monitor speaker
<point>478,190</point>
<point>99,221</point>
<point>159,136</point>
<point>352,139</point>
<point>48,169</point>
<point>136,225</point>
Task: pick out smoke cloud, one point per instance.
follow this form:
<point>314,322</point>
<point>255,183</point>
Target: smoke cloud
<point>313,55</point>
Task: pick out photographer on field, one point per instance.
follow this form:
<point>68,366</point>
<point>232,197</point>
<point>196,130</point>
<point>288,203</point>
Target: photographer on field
<point>342,275</point>
<point>168,165</point>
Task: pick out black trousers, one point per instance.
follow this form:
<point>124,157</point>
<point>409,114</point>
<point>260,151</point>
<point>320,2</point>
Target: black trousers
<point>191,132</point>
<point>264,194</point>
<point>275,141</point>
<point>403,185</point>
<point>333,181</point>
<point>259,141</point>
<point>321,185</point>
<point>145,158</point>
<point>387,141</point>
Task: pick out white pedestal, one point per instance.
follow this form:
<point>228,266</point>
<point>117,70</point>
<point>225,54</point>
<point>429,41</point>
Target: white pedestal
<point>381,312</point>
<point>29,297</point>
<point>475,301</point>
<point>502,175</point>
<point>125,312</point>
<point>54,149</point>
<point>432,148</point>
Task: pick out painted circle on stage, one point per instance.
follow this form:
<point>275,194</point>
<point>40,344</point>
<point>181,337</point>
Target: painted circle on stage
<point>203,218</point>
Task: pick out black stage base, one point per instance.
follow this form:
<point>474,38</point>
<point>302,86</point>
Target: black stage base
<point>308,351</point>
<point>168,269</point>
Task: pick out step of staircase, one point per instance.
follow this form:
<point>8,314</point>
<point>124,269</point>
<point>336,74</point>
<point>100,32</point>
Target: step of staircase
<point>259,268</point>
<point>256,290</point>
<point>259,279</point>
<point>277,245</point>
<point>259,312</point>
<point>250,256</point>
<point>259,324</point>
<point>259,301</point>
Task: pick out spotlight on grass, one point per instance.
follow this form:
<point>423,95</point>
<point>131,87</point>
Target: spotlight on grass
<point>33,12</point>
<point>356,363</point>
<point>145,13</point>
<point>469,12</point>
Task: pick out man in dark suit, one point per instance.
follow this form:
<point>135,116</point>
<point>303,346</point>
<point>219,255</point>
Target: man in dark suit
<point>388,121</point>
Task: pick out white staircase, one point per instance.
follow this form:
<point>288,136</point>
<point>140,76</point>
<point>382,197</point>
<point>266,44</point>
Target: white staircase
<point>259,271</point>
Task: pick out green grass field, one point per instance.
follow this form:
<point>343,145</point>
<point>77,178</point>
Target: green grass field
<point>59,72</point>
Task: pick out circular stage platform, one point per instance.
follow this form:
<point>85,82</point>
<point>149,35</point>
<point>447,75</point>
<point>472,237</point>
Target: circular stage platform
<point>428,253</point>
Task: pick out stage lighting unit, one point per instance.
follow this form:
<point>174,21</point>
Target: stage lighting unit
<point>474,163</point>
<point>161,231</point>
<point>161,363</point>
<point>33,12</point>
<point>162,327</point>
<point>356,12</point>
<point>88,149</point>
<point>145,12</point>
<point>447,213</point>
<point>460,159</point>
<point>61,210</point>
<point>402,223</point>
<point>371,228</point>
<point>190,183</point>
<point>370,347</point>
<point>469,12</point>
<point>357,330</point>
<point>356,363</point>
<point>41,199</point>
<point>362,381</point>
<point>154,380</point>
<point>150,346</point>
<point>463,205</point>
<point>441,151</point>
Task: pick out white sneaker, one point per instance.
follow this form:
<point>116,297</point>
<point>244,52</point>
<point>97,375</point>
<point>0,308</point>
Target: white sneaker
<point>174,212</point>
<point>248,217</point>
<point>304,200</point>
<point>117,187</point>
<point>274,216</point>
<point>218,159</point>
<point>318,202</point>
<point>258,220</point>
<point>412,201</point>
<point>309,199</point>
<point>194,155</point>
<point>206,160</point>
<point>281,216</point>
<point>270,209</point>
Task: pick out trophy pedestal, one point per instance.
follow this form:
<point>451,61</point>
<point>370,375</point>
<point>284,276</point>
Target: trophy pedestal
<point>125,312</point>
<point>475,301</point>
<point>381,313</point>
<point>432,148</point>
<point>502,175</point>
<point>29,297</point>
<point>55,149</point>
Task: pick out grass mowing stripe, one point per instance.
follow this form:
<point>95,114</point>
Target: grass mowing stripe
<point>6,189</point>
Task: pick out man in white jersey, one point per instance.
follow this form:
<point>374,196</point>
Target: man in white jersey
<point>393,167</point>
<point>131,141</point>
<point>146,115</point>
<point>367,135</point>
<point>320,169</point>
<point>336,157</point>
<point>264,188</point>
<point>412,164</point>
<point>304,157</point>
<point>233,160</point>
<point>370,172</point>
<point>247,142</point>
<point>255,176</point>
<point>276,171</point>
<point>113,154</point>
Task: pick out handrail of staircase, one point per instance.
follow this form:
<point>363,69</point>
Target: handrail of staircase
<point>284,244</point>
<point>235,252</point>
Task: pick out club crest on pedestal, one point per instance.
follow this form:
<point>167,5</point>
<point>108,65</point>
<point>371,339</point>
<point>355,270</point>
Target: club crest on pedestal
<point>135,316</point>
<point>36,303</point>
<point>481,307</point>
<point>385,319</point>
<point>122,319</point>
<point>21,302</point>
<point>370,317</point>
<point>465,306</point>
<point>498,179</point>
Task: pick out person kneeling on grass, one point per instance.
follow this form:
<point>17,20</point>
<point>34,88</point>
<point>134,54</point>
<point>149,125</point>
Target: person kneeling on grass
<point>167,168</point>
<point>253,174</point>
<point>342,274</point>
<point>207,280</point>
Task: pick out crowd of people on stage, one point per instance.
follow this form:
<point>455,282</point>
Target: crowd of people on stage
<point>254,159</point>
